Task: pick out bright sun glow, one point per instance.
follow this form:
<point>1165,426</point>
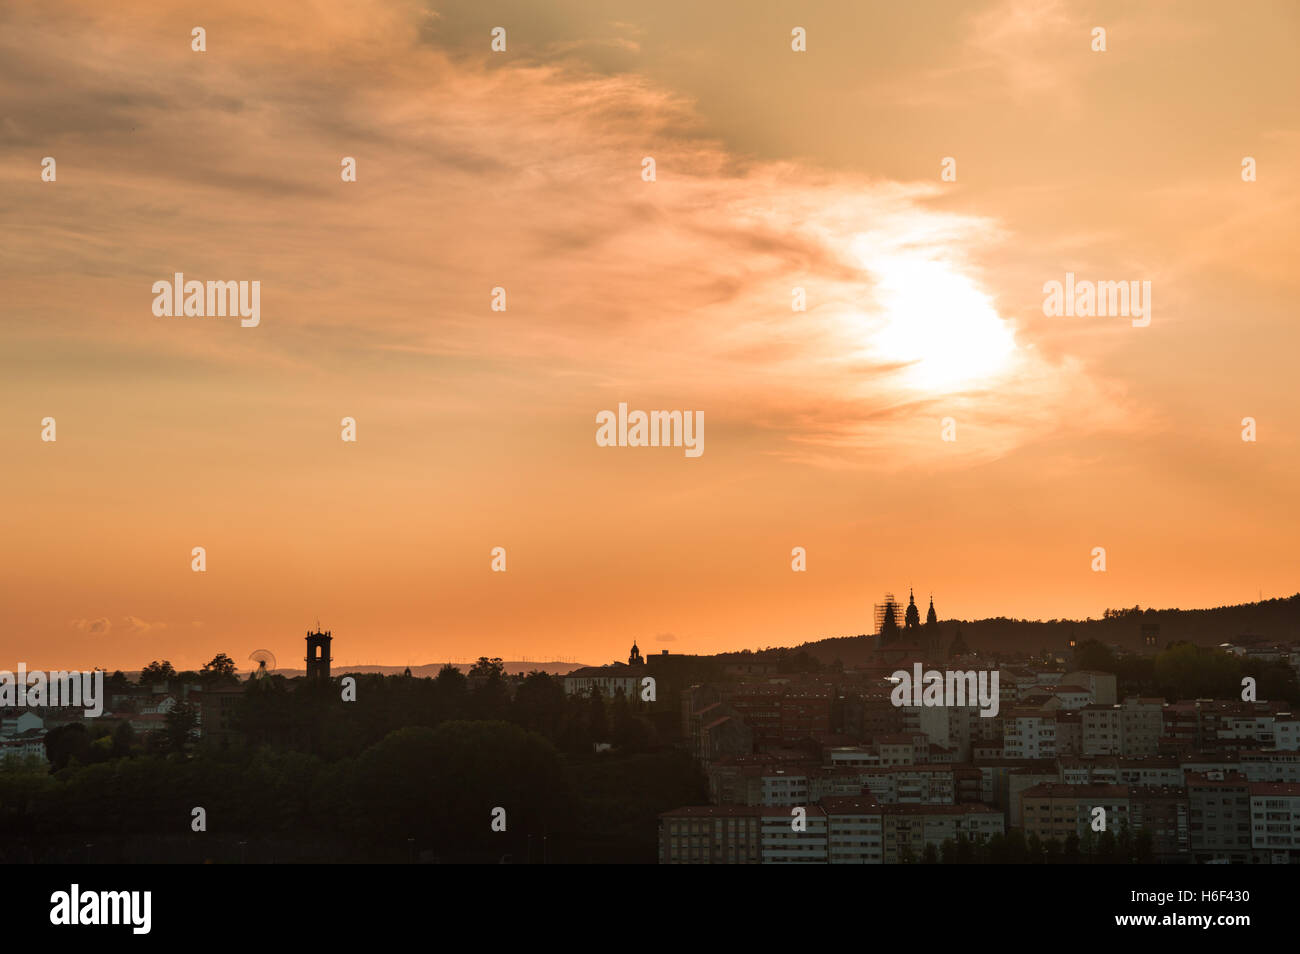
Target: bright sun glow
<point>934,319</point>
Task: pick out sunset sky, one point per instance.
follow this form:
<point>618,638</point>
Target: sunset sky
<point>523,169</point>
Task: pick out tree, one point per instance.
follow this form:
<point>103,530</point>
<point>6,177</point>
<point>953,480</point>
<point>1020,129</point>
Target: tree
<point>489,701</point>
<point>157,672</point>
<point>1124,849</point>
<point>1017,851</point>
<point>1071,851</point>
<point>597,725</point>
<point>1107,851</point>
<point>1090,654</point>
<point>464,768</point>
<point>539,703</point>
<point>965,853</point>
<point>1052,850</point>
<point>996,852</point>
<point>1034,849</point>
<point>1144,847</point>
<point>66,742</point>
<point>117,682</point>
<point>487,668</point>
<point>219,670</point>
<point>180,724</point>
<point>123,739</point>
<point>448,694</point>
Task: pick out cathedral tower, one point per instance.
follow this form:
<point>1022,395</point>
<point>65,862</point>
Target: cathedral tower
<point>912,621</point>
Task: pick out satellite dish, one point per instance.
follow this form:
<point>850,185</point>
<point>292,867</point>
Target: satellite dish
<point>265,660</point>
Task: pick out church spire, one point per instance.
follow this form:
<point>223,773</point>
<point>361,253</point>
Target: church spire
<point>912,619</point>
<point>930,617</point>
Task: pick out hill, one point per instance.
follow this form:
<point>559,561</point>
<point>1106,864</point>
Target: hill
<point>1270,621</point>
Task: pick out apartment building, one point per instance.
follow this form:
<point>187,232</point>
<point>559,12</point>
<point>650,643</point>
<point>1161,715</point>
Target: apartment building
<point>783,844</point>
<point>710,834</point>
<point>1056,810</point>
<point>1219,816</point>
<point>1275,819</point>
<point>1029,734</point>
<point>1162,811</point>
<point>908,829</point>
<point>854,831</point>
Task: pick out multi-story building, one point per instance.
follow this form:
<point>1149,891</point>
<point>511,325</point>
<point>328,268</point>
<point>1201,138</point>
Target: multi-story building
<point>1103,729</point>
<point>785,787</point>
<point>1073,697</point>
<point>1235,721</point>
<point>1162,811</point>
<point>1017,782</point>
<point>1113,770</point>
<point>1256,727</point>
<point>896,749</point>
<point>996,775</point>
<point>1275,820</point>
<point>760,707</point>
<point>717,731</point>
<point>1069,732</point>
<point>854,830</point>
<point>856,756</point>
<point>1286,732</point>
<point>781,715</point>
<point>1141,726</point>
<point>1056,810</point>
<point>784,843</point>
<point>908,829</point>
<point>1270,765</point>
<point>710,834</point>
<point>1029,734</point>
<point>805,713</point>
<point>1100,685</point>
<point>217,714</point>
<point>1181,728</point>
<point>609,680</point>
<point>912,784</point>
<point>1257,765</point>
<point>1219,816</point>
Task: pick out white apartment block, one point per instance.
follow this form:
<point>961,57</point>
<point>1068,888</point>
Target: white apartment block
<point>1259,728</point>
<point>1029,734</point>
<point>855,833</point>
<point>781,844</point>
<point>1102,729</point>
<point>1286,732</point>
<point>1275,816</point>
<point>781,788</point>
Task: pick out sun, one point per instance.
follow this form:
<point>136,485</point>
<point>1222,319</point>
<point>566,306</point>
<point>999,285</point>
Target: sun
<point>937,322</point>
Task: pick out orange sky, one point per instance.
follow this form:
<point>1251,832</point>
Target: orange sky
<point>522,169</point>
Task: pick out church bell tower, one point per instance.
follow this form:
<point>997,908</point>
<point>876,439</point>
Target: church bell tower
<point>318,656</point>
